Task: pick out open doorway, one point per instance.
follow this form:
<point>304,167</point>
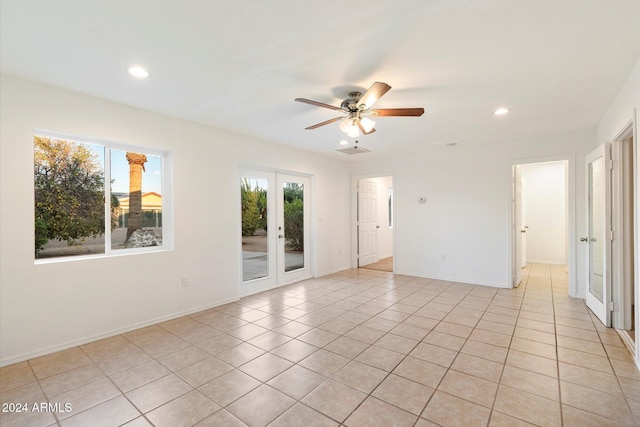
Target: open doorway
<point>374,223</point>
<point>539,216</point>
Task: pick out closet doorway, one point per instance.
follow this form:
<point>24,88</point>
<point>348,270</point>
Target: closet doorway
<point>540,215</point>
<point>374,223</point>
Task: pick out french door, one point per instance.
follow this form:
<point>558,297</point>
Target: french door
<point>275,214</point>
<point>598,234</point>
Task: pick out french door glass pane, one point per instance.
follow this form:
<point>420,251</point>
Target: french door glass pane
<point>293,226</point>
<point>596,229</point>
<point>255,255</point>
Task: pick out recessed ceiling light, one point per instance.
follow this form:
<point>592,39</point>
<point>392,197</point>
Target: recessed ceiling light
<point>501,111</point>
<point>344,142</point>
<point>137,71</point>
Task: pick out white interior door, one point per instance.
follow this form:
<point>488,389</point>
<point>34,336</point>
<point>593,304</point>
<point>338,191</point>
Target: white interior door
<point>597,239</point>
<point>367,222</point>
<point>275,229</point>
<point>517,227</point>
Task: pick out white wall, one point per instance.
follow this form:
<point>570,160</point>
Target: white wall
<point>545,212</point>
<point>467,215</point>
<point>47,307</point>
<point>621,109</point>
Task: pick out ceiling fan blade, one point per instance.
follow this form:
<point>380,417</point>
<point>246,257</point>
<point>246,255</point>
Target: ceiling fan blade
<point>317,104</point>
<point>409,112</point>
<point>363,130</point>
<point>374,93</point>
<point>326,122</point>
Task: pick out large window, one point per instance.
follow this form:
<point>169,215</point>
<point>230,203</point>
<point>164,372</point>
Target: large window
<point>98,198</point>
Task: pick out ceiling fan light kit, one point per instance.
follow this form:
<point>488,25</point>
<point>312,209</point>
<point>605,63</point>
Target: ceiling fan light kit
<point>357,109</point>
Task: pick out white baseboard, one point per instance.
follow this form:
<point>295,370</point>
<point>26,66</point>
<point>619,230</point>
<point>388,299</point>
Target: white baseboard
<point>629,345</point>
<point>332,271</point>
<point>455,279</point>
<point>85,340</point>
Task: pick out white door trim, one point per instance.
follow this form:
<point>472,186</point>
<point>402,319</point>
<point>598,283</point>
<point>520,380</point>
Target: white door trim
<point>622,237</point>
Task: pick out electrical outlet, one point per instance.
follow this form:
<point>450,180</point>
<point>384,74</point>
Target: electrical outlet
<point>443,257</point>
<point>186,281</point>
<point>422,200</point>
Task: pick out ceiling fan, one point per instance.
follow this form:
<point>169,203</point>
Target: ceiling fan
<point>356,110</point>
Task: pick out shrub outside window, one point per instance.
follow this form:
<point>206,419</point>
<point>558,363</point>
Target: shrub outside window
<point>96,198</point>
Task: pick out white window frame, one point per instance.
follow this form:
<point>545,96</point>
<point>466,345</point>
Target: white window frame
<point>167,197</point>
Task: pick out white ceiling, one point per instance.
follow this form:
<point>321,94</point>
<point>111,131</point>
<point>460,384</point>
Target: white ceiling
<point>238,65</point>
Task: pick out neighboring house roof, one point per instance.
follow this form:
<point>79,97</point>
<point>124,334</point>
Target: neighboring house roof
<point>150,201</point>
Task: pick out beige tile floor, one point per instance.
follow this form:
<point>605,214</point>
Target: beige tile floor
<point>357,348</point>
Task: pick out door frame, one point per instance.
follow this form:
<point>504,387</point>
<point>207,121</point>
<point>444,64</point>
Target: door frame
<point>619,294</point>
<point>622,237</point>
<point>570,200</point>
<point>354,214</point>
<point>276,282</point>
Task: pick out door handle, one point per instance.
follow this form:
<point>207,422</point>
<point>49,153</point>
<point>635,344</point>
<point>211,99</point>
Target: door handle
<point>377,226</point>
<point>280,236</point>
<point>584,239</point>
<point>523,231</point>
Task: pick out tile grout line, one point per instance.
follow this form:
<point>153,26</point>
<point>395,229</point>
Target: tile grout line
<point>117,387</point>
<point>622,392</point>
<point>47,398</point>
<point>555,336</point>
<point>388,373</point>
<point>504,364</point>
<point>403,359</point>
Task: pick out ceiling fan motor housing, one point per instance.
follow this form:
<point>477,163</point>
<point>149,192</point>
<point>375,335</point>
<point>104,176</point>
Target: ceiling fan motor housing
<point>350,104</point>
